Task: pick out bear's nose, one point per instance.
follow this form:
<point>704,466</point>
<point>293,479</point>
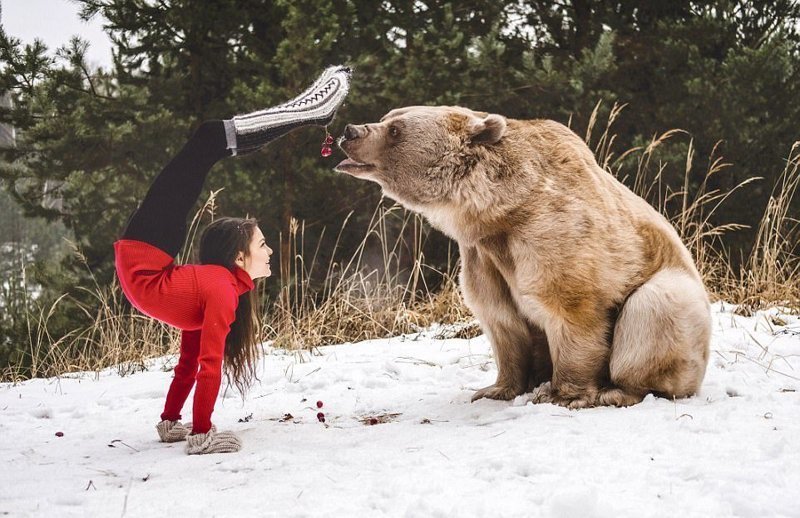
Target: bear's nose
<point>353,132</point>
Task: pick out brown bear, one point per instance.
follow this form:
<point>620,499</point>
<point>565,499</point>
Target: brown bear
<point>586,293</point>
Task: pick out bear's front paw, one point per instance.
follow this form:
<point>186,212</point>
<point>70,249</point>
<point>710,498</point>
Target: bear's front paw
<point>496,392</point>
<point>565,395</point>
<point>574,402</point>
<point>542,394</point>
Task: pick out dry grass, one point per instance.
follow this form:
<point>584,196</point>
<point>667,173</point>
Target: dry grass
<point>116,336</point>
<point>769,274</point>
<point>358,300</point>
<point>381,291</point>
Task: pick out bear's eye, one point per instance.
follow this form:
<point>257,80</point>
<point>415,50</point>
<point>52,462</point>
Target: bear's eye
<point>394,131</point>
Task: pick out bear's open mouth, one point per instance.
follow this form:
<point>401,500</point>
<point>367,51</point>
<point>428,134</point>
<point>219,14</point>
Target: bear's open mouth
<point>350,166</point>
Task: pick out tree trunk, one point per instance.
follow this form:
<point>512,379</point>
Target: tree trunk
<point>583,19</point>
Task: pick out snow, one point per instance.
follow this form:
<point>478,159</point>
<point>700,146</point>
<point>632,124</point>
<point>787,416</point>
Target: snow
<point>732,450</point>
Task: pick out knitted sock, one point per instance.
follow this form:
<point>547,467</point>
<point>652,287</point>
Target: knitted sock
<point>173,431</point>
<point>212,442</point>
<point>317,105</point>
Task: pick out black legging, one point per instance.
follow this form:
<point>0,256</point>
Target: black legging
<point>160,219</point>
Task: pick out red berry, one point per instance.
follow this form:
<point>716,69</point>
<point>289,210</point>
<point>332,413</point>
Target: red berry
<point>329,140</point>
<point>326,151</point>
<point>319,404</point>
<point>59,434</point>
<point>321,416</point>
<point>373,421</point>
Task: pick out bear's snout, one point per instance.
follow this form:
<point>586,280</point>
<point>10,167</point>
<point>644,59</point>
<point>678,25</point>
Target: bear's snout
<point>352,132</point>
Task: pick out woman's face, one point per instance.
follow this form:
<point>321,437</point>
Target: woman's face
<point>256,263</point>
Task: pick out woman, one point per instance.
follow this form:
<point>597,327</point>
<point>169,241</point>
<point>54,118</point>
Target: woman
<point>212,303</point>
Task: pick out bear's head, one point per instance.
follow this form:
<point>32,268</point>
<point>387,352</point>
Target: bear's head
<point>420,154</point>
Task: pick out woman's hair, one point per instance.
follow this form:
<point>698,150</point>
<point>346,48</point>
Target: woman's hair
<point>220,243</point>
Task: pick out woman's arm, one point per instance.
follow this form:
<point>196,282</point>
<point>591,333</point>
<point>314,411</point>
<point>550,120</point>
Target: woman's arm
<point>219,314</point>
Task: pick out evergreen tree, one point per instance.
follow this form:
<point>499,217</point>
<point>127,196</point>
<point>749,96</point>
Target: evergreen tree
<point>724,70</point>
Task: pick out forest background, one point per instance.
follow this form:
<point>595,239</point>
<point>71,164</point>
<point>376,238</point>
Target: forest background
<point>87,142</point>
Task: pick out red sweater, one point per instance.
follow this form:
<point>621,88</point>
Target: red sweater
<point>201,300</point>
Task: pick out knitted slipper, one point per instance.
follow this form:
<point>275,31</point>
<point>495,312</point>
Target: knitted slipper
<point>173,431</point>
<point>212,442</point>
<point>317,105</point>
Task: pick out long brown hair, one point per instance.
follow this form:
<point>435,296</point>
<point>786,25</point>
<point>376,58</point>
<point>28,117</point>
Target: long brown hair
<point>220,243</point>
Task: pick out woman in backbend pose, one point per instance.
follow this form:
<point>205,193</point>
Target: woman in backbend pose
<point>210,302</point>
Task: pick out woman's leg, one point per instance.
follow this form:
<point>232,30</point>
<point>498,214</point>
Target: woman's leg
<point>161,218</point>
<point>184,376</point>
<point>170,429</point>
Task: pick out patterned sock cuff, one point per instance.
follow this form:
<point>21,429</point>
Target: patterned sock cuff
<point>230,135</point>
<point>316,105</point>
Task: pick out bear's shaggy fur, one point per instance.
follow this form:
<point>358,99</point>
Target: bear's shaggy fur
<point>586,292</point>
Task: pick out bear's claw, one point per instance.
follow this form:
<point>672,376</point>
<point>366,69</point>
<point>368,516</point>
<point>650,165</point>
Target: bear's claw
<point>495,392</point>
<point>544,393</point>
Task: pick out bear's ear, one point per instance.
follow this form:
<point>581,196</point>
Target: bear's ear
<point>488,130</point>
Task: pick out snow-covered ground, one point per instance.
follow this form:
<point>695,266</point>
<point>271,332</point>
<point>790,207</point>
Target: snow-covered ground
<point>733,450</point>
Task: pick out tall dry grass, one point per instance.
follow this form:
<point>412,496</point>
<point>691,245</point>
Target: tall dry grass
<point>380,291</point>
<point>115,336</point>
<point>771,274</point>
<point>382,288</point>
<point>768,275</point>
